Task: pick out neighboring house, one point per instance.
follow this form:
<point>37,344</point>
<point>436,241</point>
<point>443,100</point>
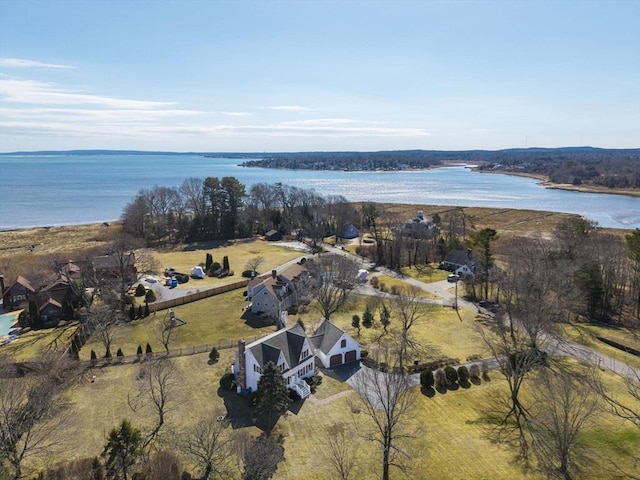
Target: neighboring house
<point>420,227</point>
<point>110,267</point>
<point>279,291</point>
<point>273,236</point>
<point>56,300</point>
<point>349,232</point>
<point>333,347</point>
<point>462,262</point>
<point>15,296</point>
<point>293,352</point>
<point>289,349</point>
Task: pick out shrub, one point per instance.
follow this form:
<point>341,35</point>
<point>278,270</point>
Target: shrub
<point>484,368</point>
<point>149,351</point>
<point>139,352</point>
<point>463,374</point>
<point>440,378</point>
<point>132,312</point>
<point>140,290</point>
<point>225,262</point>
<point>451,374</point>
<point>474,371</point>
<point>208,262</point>
<point>364,353</point>
<point>214,355</point>
<point>426,379</point>
<point>367,317</point>
<point>107,353</point>
<point>247,273</point>
<point>227,380</point>
<point>94,357</point>
<point>146,310</point>
<point>119,353</point>
<point>150,296</point>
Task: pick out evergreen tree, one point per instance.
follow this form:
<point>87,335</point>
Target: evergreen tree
<point>140,311</point>
<point>149,351</point>
<point>208,262</point>
<point>367,317</point>
<point>132,312</point>
<point>146,309</point>
<point>273,396</point>
<point>119,353</point>
<point>34,314</point>
<point>225,262</point>
<point>123,448</point>
<point>355,323</point>
<point>139,352</point>
<point>385,316</point>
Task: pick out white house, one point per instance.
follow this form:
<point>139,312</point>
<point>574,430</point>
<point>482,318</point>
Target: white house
<point>293,352</point>
<point>333,347</point>
<point>279,291</point>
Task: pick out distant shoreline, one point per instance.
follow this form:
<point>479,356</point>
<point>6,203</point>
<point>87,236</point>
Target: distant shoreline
<point>545,182</point>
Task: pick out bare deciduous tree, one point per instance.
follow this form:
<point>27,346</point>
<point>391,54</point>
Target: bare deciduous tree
<point>210,447</point>
<point>103,320</point>
<point>335,278</point>
<point>157,380</point>
<point>565,406</point>
<point>339,449</point>
<point>410,310</point>
<point>254,263</point>
<point>32,410</point>
<point>387,399</point>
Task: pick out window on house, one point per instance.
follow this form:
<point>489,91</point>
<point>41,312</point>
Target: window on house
<point>343,343</point>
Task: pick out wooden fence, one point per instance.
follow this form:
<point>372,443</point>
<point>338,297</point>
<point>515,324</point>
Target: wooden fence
<point>198,295</point>
<point>177,352</point>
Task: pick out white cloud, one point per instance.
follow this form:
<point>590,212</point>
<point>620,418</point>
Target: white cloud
<point>23,63</point>
<point>290,108</point>
<point>236,114</point>
<point>42,93</point>
<point>322,122</point>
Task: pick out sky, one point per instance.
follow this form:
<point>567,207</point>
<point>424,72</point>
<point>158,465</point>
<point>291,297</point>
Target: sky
<point>266,76</point>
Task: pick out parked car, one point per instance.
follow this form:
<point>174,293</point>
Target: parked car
<point>452,278</point>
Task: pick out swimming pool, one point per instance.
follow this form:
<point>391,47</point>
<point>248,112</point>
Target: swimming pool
<point>6,321</point>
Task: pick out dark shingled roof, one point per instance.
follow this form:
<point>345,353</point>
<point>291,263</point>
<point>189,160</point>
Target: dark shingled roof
<point>289,341</point>
<point>326,336</point>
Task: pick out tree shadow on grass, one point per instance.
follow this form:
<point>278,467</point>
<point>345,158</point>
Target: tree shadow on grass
<point>207,245</point>
<point>465,384</point>
<point>475,380</point>
<point>441,390</point>
<point>453,387</point>
<point>238,408</point>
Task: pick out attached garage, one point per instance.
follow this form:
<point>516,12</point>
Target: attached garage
<point>335,360</point>
<point>350,356</point>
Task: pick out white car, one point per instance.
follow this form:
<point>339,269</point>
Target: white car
<point>452,278</point>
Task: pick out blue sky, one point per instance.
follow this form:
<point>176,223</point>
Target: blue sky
<point>252,76</point>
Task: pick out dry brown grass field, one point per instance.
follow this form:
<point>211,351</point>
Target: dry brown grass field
<point>449,430</point>
<point>450,440</point>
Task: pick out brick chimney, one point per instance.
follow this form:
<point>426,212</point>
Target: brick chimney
<point>274,274</point>
<point>241,376</point>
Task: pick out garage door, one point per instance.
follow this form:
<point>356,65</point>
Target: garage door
<point>335,360</point>
<point>350,356</point>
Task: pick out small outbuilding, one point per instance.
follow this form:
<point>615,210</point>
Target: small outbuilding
<point>273,235</point>
<point>349,232</point>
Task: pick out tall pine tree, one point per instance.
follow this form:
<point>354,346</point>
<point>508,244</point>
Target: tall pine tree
<point>273,396</point>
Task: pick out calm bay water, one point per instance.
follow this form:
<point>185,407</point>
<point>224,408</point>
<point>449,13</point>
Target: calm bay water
<point>37,190</point>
